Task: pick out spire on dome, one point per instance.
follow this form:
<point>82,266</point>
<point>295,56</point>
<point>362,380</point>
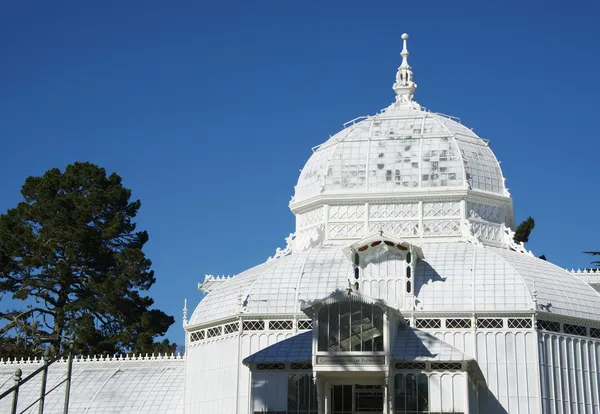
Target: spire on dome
<point>404,86</point>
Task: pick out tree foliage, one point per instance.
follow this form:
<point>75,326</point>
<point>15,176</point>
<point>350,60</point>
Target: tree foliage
<point>524,230</point>
<point>595,262</point>
<point>71,255</point>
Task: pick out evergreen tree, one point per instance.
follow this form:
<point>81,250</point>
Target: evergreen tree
<point>71,254</point>
<point>595,262</point>
<point>524,230</point>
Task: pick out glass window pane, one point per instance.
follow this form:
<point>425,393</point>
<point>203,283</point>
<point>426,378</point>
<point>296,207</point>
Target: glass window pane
<point>411,392</point>
<point>423,390</point>
<point>400,393</point>
<point>345,326</point>
<point>334,327</point>
<point>378,323</point>
<point>292,392</point>
<point>350,326</point>
<point>356,321</point>
<point>323,328</point>
<point>367,327</point>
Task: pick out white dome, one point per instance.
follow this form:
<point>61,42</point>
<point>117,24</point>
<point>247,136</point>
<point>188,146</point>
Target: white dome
<point>403,149</point>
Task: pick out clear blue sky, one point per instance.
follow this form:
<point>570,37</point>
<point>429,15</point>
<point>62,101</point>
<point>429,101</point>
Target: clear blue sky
<point>209,109</point>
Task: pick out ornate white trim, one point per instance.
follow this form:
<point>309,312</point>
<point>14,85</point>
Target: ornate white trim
<point>79,359</point>
<point>470,233</point>
<point>287,250</point>
<point>509,238</point>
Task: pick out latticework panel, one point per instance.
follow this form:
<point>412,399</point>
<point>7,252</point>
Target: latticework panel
<point>548,325</point>
<point>575,329</point>
<point>441,209</point>
<point>196,336</point>
<point>231,327</point>
<point>281,325</point>
<point>310,218</point>
<point>305,324</point>
<point>441,228</point>
<point>446,366</point>
<point>300,365</point>
<point>410,365</point>
<point>346,230</point>
<point>393,211</point>
<point>254,325</point>
<point>519,323</point>
<point>490,323</point>
<point>428,323</point>
<point>347,212</point>
<point>270,367</point>
<point>484,212</point>
<point>215,331</point>
<point>397,228</point>
<point>458,323</point>
<point>487,231</point>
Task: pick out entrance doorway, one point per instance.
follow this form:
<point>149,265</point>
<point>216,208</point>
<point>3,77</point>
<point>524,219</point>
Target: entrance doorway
<point>357,399</point>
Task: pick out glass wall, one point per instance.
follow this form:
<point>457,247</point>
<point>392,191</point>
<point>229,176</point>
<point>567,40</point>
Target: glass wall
<point>302,394</point>
<point>350,326</point>
<point>411,394</point>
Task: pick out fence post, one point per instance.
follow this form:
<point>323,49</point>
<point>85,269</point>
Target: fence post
<point>17,379</point>
<point>44,380</point>
<point>68,380</point>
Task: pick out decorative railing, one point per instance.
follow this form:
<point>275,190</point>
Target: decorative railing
<point>80,359</point>
<point>43,370</point>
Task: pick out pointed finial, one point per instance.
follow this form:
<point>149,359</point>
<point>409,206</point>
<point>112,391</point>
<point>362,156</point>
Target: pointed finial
<point>185,321</point>
<point>405,86</point>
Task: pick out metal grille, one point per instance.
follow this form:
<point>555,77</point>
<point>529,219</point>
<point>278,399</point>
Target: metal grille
<point>212,332</point>
<point>446,366</point>
<point>428,323</point>
<point>410,365</point>
<point>270,367</point>
<point>231,328</point>
<point>407,322</point>
<point>300,365</point>
<point>458,323</point>
<point>574,329</point>
<point>305,324</point>
<point>549,326</point>
<point>281,325</point>
<point>254,325</point>
<point>595,332</point>
<point>519,323</point>
<point>196,336</point>
<point>490,323</point>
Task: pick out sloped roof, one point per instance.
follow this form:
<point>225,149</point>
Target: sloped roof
<point>409,345</point>
<point>295,349</point>
<point>414,345</point>
<point>144,385</point>
<point>453,277</point>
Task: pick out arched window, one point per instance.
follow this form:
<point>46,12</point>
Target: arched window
<point>350,326</point>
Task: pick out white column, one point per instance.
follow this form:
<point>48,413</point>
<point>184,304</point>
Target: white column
<point>464,217</point>
<point>420,217</point>
<point>326,397</point>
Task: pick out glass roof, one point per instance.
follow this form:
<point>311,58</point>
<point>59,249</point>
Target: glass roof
<point>116,386</point>
<point>445,280</point>
<point>400,149</point>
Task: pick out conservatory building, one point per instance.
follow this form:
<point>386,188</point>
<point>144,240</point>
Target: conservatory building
<point>400,291</point>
